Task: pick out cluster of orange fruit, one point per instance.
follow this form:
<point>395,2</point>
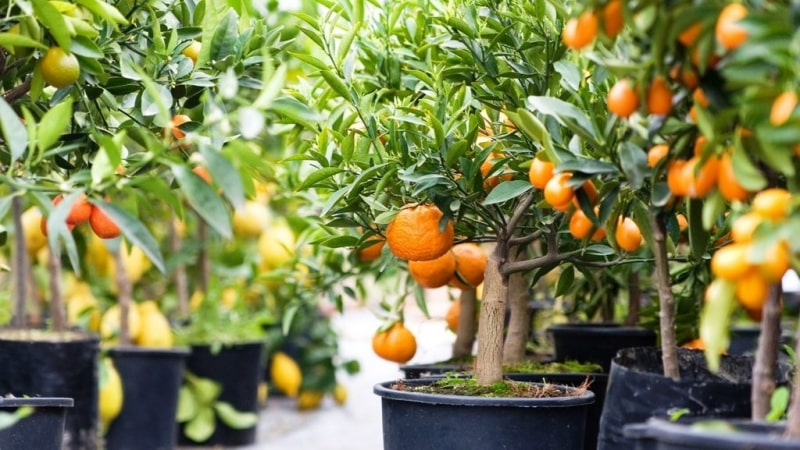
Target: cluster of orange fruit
<point>733,261</point>
<point>83,211</point>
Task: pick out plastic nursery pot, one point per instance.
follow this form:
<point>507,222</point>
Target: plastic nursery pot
<point>414,371</point>
<point>596,342</point>
<point>43,429</point>
<point>151,380</point>
<point>638,390</point>
<point>48,364</point>
<point>238,370</point>
<point>599,382</point>
<point>421,421</point>
<point>734,434</point>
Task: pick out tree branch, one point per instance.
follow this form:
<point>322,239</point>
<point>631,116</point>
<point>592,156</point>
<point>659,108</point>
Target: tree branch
<point>519,213</point>
<point>522,240</point>
<point>12,95</point>
<point>535,263</point>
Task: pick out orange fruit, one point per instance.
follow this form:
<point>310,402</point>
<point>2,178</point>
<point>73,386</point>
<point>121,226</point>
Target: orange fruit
<point>203,173</point>
<point>744,226</point>
<point>176,122</point>
<point>730,261</point>
<point>540,172</point>
<point>192,51</point>
<point>580,225</point>
<point>491,181</point>
<point>689,78</point>
<point>580,31</point>
<point>689,35</point>
<point>752,290</point>
<point>700,97</point>
<point>695,344</point>
<point>102,225</point>
<point>730,34</point>
<point>395,344</point>
<point>701,179</point>
<point>557,193</point>
<point>782,108</point>
<point>774,267</point>
<point>371,252</point>
<point>453,314</point>
<point>683,223</point>
<point>628,235</point>
<point>677,177</point>
<point>659,97</point>
<point>656,154</point>
<point>79,212</point>
<point>415,234</point>
<point>470,265</point>
<point>590,190</point>
<point>59,68</point>
<point>613,20</point>
<point>772,203</point>
<point>623,100</point>
<point>727,183</point>
<point>435,272</point>
<point>700,144</point>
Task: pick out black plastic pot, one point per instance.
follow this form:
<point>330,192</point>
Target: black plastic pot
<point>414,371</point>
<point>638,390</point>
<point>42,430</point>
<point>238,369</point>
<point>45,364</point>
<point>596,342</point>
<point>420,421</point>
<point>660,434</point>
<point>151,380</point>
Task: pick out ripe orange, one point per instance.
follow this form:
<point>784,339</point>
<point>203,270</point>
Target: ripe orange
<point>557,193</point>
<point>590,190</point>
<point>783,107</point>
<point>491,181</point>
<point>102,225</point>
<point>415,235</point>
<point>730,34</point>
<point>774,267</point>
<point>371,252</point>
<point>772,203</point>
<point>700,144</point>
<point>580,226</point>
<point>628,235</point>
<point>677,177</point>
<point>752,291</point>
<point>176,122</point>
<point>659,97</point>
<point>727,183</point>
<point>656,154</point>
<point>396,344</point>
<point>79,212</point>
<point>580,31</point>
<point>689,35</point>
<point>470,265</point>
<point>613,20</point>
<point>59,68</point>
<point>701,178</point>
<point>683,223</point>
<point>453,314</point>
<point>434,273</point>
<point>695,344</point>
<point>623,100</point>
<point>744,226</point>
<point>540,172</point>
<point>192,51</point>
<point>730,261</point>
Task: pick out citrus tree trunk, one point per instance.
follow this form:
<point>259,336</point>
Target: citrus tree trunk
<point>181,282</point>
<point>57,311</point>
<point>766,355</point>
<point>21,264</point>
<point>793,414</point>
<point>520,320</point>
<point>489,361</point>
<point>669,351</point>
<point>123,297</point>
<point>465,334</point>
<point>634,299</point>
<point>204,262</point>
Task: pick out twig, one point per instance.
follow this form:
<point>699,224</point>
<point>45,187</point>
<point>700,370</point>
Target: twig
<point>123,297</point>
<point>523,240</point>
<point>519,213</point>
<point>766,358</point>
<point>21,264</point>
<point>12,95</point>
<point>669,352</point>
<point>204,263</point>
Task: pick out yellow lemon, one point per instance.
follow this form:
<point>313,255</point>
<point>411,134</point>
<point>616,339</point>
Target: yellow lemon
<point>156,330</point>
<point>340,394</point>
<point>80,304</point>
<point>251,219</point>
<point>35,240</point>
<point>309,400</point>
<point>263,393</point>
<point>136,263</point>
<point>97,255</point>
<point>276,245</point>
<point>109,324</point>
<point>197,297</point>
<point>286,374</point>
<point>110,393</point>
<point>228,297</point>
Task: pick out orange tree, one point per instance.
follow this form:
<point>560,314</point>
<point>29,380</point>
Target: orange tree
<point>428,140</point>
<point>90,90</point>
<point>711,89</point>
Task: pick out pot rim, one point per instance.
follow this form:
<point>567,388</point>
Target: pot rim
<point>605,328</point>
<point>148,351</point>
<point>385,391</point>
<point>679,432</point>
<point>37,402</point>
<point>47,336</point>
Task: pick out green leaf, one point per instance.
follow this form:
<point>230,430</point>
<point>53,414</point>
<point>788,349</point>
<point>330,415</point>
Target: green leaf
<point>296,111</point>
<point>11,40</point>
<point>506,191</point>
<point>204,200</point>
<point>224,175</point>
<point>187,405</point>
<point>633,161</point>
<point>84,46</point>
<point>235,419</point>
<point>135,231</point>
<point>57,230</point>
<point>54,123</point>
<point>205,390</point>
<point>104,10</point>
<point>715,320</point>
<point>339,242</point>
<point>225,37</point>
<point>318,176</point>
<point>565,281</point>
<point>587,166</point>
<point>747,174</point>
<point>336,84</point>
<point>567,115</point>
<point>698,235</point>
<point>52,19</point>
<point>14,132</point>
<point>779,403</point>
<point>202,426</point>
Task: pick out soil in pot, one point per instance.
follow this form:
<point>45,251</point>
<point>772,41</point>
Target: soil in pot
<point>151,379</point>
<point>43,429</point>
<point>422,421</point>
<point>710,434</point>
<point>596,342</point>
<point>637,390</point>
<point>47,364</point>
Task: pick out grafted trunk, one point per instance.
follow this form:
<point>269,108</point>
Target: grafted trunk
<point>123,297</point>
<point>465,334</point>
<point>181,281</point>
<point>21,266</point>
<point>203,262</point>
<point>57,311</point>
<point>766,355</point>
<point>519,323</point>
<point>489,361</point>
<point>634,299</point>
<point>793,415</point>
<point>669,351</point>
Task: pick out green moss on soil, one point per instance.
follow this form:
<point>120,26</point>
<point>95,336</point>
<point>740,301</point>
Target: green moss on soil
<point>506,389</point>
<point>553,367</point>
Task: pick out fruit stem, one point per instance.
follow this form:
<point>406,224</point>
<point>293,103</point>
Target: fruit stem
<point>21,264</point>
<point>123,297</point>
<point>465,333</point>
<point>669,351</point>
<point>766,357</point>
<point>181,285</point>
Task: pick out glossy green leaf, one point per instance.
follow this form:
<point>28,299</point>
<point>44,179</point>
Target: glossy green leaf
<point>223,42</point>
<point>202,426</point>
<point>778,403</point>
<point>566,114</point>
<point>237,420</point>
<point>633,161</point>
<point>204,200</point>
<point>565,281</point>
<point>104,10</point>
<point>715,320</point>
<point>507,190</point>
<point>135,231</point>
<point>295,111</point>
<point>336,84</point>
<point>318,176</point>
<point>54,123</point>
<point>224,175</point>
<point>187,405</point>
<point>15,134</point>
<point>11,40</point>
<point>52,19</point>
<point>747,174</point>
<point>698,234</point>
